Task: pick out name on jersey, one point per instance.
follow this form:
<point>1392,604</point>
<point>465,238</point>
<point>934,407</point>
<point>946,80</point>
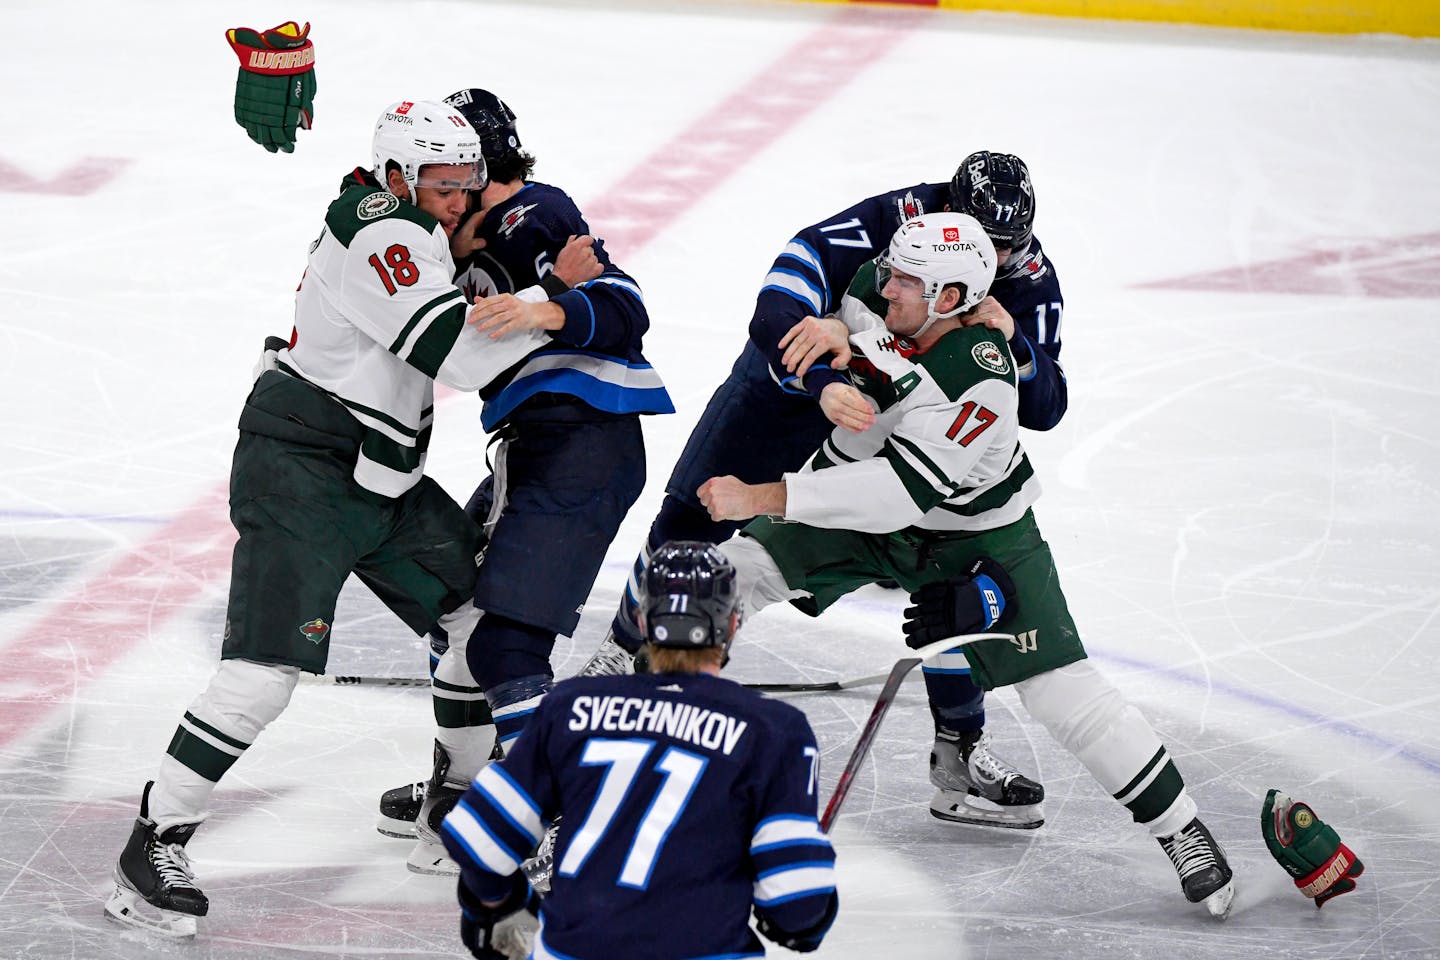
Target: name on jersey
<point>680,721</point>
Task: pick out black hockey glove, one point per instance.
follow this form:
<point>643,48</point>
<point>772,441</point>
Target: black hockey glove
<point>959,605</point>
<point>275,89</point>
<point>477,921</point>
<point>805,941</point>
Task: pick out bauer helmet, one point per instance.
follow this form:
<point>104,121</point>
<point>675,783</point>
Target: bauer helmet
<point>994,188</point>
<point>688,597</point>
<point>941,249</point>
<point>413,134</point>
<point>492,119</point>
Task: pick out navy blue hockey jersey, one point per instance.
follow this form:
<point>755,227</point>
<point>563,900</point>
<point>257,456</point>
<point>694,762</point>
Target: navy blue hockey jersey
<point>685,801</point>
<point>597,355</point>
<point>812,272</point>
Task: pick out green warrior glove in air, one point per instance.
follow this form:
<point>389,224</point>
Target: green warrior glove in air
<point>1308,849</point>
<point>275,90</point>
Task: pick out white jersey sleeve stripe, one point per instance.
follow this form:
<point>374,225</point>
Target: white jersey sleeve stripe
<point>620,282</point>
<point>783,831</point>
<point>794,881</point>
<point>472,834</point>
<point>510,800</point>
<point>796,286</point>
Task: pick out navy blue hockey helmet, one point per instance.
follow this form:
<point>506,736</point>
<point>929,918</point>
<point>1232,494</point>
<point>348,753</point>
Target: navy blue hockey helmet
<point>994,188</point>
<point>491,118</point>
<point>688,597</point>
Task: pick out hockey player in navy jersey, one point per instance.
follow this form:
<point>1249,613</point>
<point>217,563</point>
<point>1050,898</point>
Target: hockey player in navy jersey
<point>570,459</point>
<point>770,415</point>
<point>685,802</point>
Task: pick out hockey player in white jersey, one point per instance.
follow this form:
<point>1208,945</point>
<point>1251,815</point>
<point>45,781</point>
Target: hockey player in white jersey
<point>939,489</point>
<point>328,479</point>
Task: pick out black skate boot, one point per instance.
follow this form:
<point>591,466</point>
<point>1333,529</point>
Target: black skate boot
<point>154,886</point>
<point>1205,874</point>
<point>977,787</point>
<point>399,806</point>
<point>441,794</point>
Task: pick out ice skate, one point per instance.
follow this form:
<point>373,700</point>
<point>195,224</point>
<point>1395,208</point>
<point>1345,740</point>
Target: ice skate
<point>609,660</point>
<point>1205,874</point>
<point>154,885</point>
<point>441,794</point>
<point>399,806</point>
<point>977,787</point>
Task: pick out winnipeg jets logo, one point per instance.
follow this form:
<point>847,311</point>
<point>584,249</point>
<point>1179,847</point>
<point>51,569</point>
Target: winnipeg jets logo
<point>909,207</point>
<point>514,218</point>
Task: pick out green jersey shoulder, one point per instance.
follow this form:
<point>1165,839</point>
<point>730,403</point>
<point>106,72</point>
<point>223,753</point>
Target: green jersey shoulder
<point>361,205</point>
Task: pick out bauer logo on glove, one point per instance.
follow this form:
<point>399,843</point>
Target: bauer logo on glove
<point>1308,849</point>
<point>275,90</point>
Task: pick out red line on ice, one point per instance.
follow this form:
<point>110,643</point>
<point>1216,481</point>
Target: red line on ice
<point>143,589</point>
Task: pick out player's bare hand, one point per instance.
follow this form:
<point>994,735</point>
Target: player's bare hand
<point>577,261</point>
<point>729,498</point>
<point>989,313</point>
<point>847,407</point>
<point>811,339</point>
<point>463,241</point>
<point>505,313</point>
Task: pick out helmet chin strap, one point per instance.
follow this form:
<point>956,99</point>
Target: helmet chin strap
<point>930,317</point>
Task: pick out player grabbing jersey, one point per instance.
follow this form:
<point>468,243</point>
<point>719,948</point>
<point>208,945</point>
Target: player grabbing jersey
<point>941,488</point>
<point>328,479</point>
<point>685,802</point>
<point>783,398</point>
<point>570,457</point>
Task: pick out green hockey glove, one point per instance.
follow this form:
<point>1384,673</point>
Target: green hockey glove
<point>1308,848</point>
<point>275,90</point>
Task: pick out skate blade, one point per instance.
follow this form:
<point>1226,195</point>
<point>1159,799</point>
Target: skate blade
<point>128,907</point>
<point>1220,902</point>
<point>431,860</point>
<point>979,812</point>
<point>399,829</point>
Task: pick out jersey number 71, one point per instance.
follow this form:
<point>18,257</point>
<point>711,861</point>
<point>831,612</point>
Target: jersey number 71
<point>682,770</point>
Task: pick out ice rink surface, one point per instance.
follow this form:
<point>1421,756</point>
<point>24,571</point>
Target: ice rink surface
<point>1243,498</point>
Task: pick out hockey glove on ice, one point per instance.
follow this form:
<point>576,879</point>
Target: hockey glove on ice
<point>805,941</point>
<point>275,90</point>
<point>1308,848</point>
<point>477,921</point>
<point>959,605</point>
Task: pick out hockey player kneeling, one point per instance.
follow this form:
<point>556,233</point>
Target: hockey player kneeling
<point>1308,848</point>
<point>939,491</point>
<point>683,802</point>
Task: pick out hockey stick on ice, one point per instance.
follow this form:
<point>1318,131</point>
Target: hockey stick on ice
<point>850,683</point>
<point>353,681</point>
<point>882,706</point>
<point>820,686</point>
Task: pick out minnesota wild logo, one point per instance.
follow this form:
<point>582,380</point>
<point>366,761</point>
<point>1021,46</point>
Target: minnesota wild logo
<point>315,631</point>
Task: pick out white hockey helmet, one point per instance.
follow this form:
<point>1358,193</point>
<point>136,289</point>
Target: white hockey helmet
<point>941,249</point>
<point>415,133</point>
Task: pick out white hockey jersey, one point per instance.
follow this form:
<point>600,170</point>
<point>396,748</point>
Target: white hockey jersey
<point>944,452</point>
<point>378,320</point>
